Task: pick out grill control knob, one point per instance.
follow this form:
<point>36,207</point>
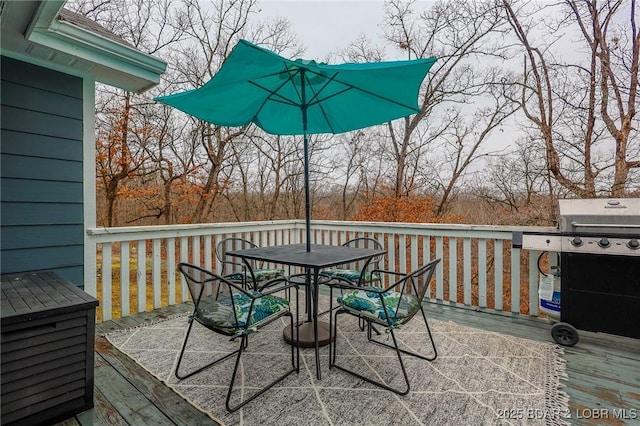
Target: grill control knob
<point>604,242</point>
<point>577,241</point>
<point>633,244</point>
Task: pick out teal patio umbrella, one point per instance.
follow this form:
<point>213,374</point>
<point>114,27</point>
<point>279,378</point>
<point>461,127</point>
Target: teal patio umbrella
<point>301,97</point>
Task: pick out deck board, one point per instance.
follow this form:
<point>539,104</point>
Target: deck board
<point>133,405</point>
<point>603,373</point>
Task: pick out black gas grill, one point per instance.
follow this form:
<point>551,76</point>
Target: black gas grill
<point>599,245</point>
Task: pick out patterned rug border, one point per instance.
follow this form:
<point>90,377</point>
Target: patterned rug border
<point>556,398</point>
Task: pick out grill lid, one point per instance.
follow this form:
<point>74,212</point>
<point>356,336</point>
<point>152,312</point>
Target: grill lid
<point>611,216</point>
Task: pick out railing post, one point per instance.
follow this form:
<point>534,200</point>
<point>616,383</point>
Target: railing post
<point>533,283</point>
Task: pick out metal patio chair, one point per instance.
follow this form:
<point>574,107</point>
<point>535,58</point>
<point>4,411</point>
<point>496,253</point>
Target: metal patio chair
<point>230,310</point>
<point>358,273</point>
<point>361,272</point>
<point>237,271</point>
<point>391,308</point>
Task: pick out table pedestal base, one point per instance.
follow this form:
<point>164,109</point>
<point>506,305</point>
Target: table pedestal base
<point>306,334</point>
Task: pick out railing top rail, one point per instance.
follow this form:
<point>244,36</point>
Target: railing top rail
<point>434,226</point>
<point>334,224</point>
<point>249,226</point>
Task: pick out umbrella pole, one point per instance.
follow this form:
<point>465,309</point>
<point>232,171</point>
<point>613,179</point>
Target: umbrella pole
<point>307,204</point>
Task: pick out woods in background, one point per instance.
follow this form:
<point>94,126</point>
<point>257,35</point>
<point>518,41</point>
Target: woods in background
<point>527,102</point>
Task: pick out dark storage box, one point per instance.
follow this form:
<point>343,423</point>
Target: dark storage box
<point>48,332</point>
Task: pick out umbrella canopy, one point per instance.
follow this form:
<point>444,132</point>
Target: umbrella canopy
<point>298,97</point>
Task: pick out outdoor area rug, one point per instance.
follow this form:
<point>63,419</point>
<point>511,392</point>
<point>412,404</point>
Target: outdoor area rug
<point>479,377</point>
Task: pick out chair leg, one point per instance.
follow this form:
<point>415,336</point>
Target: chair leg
<point>433,344</point>
<point>184,346</point>
<point>362,322</point>
<point>332,333</point>
<point>332,360</point>
<point>295,368</point>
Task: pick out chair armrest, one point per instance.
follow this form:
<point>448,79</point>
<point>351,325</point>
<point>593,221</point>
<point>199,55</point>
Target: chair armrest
<point>342,283</point>
<point>384,271</point>
<point>401,281</point>
<point>236,287</point>
<point>241,265</point>
<point>275,282</point>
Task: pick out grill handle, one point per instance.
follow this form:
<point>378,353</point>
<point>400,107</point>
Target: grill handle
<point>603,225</point>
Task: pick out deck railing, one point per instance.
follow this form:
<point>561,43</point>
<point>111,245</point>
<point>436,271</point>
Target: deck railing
<point>135,267</point>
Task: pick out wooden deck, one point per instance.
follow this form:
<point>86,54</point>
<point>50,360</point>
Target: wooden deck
<point>603,375</point>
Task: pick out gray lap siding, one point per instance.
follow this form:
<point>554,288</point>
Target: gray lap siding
<point>41,175</point>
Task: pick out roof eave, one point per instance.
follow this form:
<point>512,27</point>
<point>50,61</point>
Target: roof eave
<point>120,65</point>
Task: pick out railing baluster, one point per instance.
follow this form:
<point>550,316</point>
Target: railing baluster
<point>125,288</point>
<point>391,252</point>
<point>171,270</point>
<point>426,249</point>
<point>453,269</point>
<point>515,280</point>
<point>156,273</point>
<point>106,282</point>
<point>141,276</point>
<point>195,250</point>
<point>466,259</point>
<point>482,273</point>
<point>402,253</point>
<point>414,252</point>
<point>207,253</point>
<point>498,275</point>
<point>439,268</point>
<point>184,257</point>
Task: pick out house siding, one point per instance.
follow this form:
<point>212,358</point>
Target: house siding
<point>41,178</point>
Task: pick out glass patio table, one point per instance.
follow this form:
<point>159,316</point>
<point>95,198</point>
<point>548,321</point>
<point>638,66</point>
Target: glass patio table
<point>312,333</point>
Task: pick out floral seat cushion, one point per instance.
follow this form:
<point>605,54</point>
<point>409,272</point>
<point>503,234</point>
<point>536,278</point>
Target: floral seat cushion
<point>351,275</point>
<point>368,303</point>
<point>220,313</point>
<point>260,274</point>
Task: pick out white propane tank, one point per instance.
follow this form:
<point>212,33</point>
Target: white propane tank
<point>549,294</point>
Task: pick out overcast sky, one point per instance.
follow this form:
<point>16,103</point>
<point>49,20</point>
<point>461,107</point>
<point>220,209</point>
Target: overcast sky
<point>324,26</point>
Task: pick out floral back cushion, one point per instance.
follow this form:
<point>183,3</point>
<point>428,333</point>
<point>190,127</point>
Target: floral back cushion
<point>351,275</point>
<point>220,313</point>
<point>260,274</point>
<point>398,306</point>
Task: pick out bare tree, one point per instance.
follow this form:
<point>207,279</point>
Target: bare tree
<point>258,182</point>
<point>582,107</point>
<point>123,134</point>
<point>212,29</point>
<point>454,112</point>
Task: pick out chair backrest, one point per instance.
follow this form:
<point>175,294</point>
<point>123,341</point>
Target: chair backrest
<point>421,278</point>
<point>369,243</point>
<point>413,288</point>
<point>213,298</point>
<point>232,264</point>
